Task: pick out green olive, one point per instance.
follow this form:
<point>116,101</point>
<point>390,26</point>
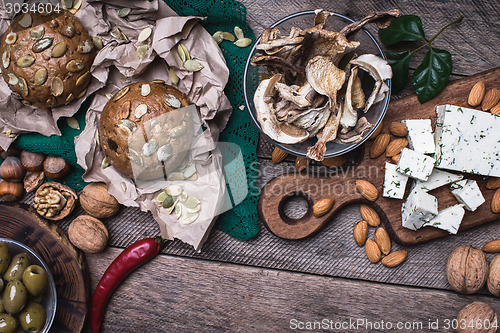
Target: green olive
<point>4,257</point>
<point>15,297</point>
<point>17,266</point>
<point>35,280</point>
<point>8,324</point>
<point>32,318</point>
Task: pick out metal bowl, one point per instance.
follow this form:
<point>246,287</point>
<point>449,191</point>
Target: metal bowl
<point>253,75</point>
<point>50,296</point>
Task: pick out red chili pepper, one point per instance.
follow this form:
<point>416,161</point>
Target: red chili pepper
<point>129,260</point>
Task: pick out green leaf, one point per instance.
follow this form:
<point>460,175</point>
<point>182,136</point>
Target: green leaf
<point>406,28</point>
<point>400,63</point>
<point>431,76</point>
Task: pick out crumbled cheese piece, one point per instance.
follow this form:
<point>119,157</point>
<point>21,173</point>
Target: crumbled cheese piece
<point>437,179</point>
<point>419,208</point>
<point>394,183</point>
<point>420,136</point>
<point>448,219</point>
<point>467,192</point>
<point>415,165</point>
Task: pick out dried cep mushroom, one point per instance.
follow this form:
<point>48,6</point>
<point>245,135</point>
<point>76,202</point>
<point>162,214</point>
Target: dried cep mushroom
<point>54,201</point>
<point>314,89</point>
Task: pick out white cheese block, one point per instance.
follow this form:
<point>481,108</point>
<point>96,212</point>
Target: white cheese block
<point>420,137</point>
<point>468,193</point>
<point>415,165</point>
<point>419,208</point>
<point>437,179</point>
<point>394,182</point>
<point>467,140</point>
<point>448,219</point>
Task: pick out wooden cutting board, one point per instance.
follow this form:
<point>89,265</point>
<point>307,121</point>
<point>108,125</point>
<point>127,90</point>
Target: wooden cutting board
<point>67,265</point>
<point>341,184</point>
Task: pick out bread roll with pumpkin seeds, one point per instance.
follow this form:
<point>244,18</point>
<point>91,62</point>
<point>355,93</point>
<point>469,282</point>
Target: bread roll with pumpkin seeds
<point>141,132</point>
<point>46,59</point>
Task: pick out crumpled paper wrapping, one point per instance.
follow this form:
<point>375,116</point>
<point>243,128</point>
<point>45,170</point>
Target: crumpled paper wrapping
<point>19,118</point>
<point>118,65</point>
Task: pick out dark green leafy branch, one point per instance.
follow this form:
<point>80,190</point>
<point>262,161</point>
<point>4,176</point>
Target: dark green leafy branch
<point>433,73</point>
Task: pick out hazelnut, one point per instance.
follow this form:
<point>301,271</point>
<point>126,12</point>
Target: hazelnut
<point>32,161</point>
<point>12,170</point>
<point>55,167</point>
<point>473,317</point>
<point>494,276</point>
<point>54,201</point>
<point>11,191</point>
<point>88,234</point>
<point>10,152</point>
<point>97,202</point>
<point>467,269</point>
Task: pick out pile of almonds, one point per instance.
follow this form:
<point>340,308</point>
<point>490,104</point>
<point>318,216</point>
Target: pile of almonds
<point>381,243</point>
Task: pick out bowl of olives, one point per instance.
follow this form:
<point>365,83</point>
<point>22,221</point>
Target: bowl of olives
<point>28,293</point>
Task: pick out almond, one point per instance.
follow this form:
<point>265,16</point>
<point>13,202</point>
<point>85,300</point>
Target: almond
<point>383,240</point>
<point>495,109</point>
<point>377,131</point>
<point>398,129</point>
<point>395,258</point>
<point>495,202</point>
<point>477,93</point>
<point>372,251</point>
<point>493,183</point>
<point>334,161</point>
<point>492,247</point>
<point>360,232</point>
<point>278,155</point>
<point>301,163</point>
<point>394,148</point>
<point>369,215</point>
<point>379,145</point>
<point>395,158</point>
<point>491,99</point>
<point>367,189</point>
<point>323,206</point>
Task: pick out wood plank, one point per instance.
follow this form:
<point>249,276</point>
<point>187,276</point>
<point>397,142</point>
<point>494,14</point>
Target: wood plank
<point>472,43</point>
<point>172,294</point>
<point>340,184</point>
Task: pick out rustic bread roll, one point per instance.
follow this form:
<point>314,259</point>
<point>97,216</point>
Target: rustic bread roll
<point>46,58</point>
<point>141,133</point>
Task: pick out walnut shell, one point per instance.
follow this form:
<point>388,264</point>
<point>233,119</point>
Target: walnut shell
<point>97,202</point>
<point>63,208</point>
<point>474,316</point>
<point>467,269</point>
<point>88,234</point>
<point>494,276</point>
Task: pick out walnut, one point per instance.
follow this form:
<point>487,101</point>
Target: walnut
<point>55,201</point>
<point>88,234</point>
<point>494,276</point>
<point>97,202</point>
<point>467,269</point>
<point>474,317</point>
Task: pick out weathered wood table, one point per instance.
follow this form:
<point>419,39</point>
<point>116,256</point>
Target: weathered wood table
<point>269,284</point>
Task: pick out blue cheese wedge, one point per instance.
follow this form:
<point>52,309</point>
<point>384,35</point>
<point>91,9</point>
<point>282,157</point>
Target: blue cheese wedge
<point>467,140</point>
<point>415,165</point>
<point>448,219</point>
<point>437,179</point>
<point>467,192</point>
<point>418,209</point>
<point>420,136</point>
<point>394,182</point>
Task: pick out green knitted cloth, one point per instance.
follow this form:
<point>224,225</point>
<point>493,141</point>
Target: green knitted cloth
<point>241,222</point>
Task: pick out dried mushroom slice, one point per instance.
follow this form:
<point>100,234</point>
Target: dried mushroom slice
<point>327,134</point>
<point>54,201</point>
<point>325,77</point>
<point>281,132</point>
<point>379,69</point>
<point>349,116</point>
<point>382,19</point>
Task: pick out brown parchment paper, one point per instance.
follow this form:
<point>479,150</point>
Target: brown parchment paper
<point>117,65</point>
